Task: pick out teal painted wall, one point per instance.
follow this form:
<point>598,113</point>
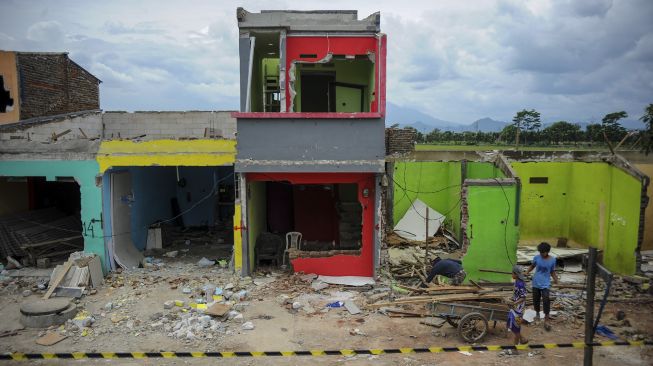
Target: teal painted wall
<point>84,172</point>
<point>492,233</point>
<point>438,184</point>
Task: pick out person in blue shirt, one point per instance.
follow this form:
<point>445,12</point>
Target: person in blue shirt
<point>544,266</point>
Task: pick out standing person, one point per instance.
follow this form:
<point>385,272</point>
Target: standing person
<point>518,304</point>
<point>544,265</point>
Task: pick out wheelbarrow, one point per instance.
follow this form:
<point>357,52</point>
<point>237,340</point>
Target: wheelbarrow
<point>471,318</point>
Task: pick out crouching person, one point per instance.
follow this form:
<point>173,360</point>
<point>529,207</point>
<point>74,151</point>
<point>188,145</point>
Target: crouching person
<point>518,305</point>
<point>450,268</point>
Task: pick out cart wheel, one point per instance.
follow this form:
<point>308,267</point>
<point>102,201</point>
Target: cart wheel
<point>473,327</point>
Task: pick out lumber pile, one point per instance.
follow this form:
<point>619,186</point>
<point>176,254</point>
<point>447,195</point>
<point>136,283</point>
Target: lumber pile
<point>75,275</point>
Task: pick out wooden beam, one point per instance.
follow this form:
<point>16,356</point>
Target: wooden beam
<point>57,280</point>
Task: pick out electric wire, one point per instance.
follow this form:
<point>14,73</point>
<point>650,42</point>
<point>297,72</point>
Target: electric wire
<point>505,226</point>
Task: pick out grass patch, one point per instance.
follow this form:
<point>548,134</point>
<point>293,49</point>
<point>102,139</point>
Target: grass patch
<point>433,147</point>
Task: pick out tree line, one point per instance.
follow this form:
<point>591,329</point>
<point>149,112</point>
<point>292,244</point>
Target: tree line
<point>526,129</point>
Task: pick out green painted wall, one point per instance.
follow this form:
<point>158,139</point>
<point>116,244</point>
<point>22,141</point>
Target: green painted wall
<point>480,170</point>
<point>544,211</point>
<point>491,230</point>
<point>438,184</point>
<point>593,204</point>
<point>623,221</point>
<point>256,215</point>
<point>84,172</point>
<point>360,72</point>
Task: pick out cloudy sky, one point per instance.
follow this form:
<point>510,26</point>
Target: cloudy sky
<point>455,60</point>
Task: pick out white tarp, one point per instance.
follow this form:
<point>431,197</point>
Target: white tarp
<point>413,225</point>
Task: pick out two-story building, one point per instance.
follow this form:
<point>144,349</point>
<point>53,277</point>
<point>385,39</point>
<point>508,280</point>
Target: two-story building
<point>310,154</point>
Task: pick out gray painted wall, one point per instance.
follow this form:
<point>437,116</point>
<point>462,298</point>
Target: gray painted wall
<point>316,145</point>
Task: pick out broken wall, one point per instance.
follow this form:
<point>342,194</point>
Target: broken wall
<point>84,172</point>
<point>491,231</point>
<point>592,204</point>
<point>438,184</point>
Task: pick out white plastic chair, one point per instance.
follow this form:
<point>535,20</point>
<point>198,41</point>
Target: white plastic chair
<point>294,241</point>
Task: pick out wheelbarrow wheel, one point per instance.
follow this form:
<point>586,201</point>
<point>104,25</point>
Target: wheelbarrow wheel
<point>473,327</point>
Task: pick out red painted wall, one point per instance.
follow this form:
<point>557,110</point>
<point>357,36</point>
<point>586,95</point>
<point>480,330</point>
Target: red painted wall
<point>339,265</point>
<point>321,46</point>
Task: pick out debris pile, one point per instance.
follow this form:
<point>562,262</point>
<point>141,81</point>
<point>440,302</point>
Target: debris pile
<point>39,234</point>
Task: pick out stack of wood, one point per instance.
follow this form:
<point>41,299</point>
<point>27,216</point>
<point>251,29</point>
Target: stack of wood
<point>75,275</point>
<point>446,294</point>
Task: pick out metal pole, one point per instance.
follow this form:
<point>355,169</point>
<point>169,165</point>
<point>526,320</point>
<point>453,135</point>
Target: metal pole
<point>426,242</point>
<point>589,307</point>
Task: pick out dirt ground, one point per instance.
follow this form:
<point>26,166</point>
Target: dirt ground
<point>136,321</point>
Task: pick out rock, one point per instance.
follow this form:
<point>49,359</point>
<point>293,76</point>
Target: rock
<point>319,285</point>
<point>229,286</point>
<point>171,254</point>
<point>156,316</point>
<point>190,335</point>
<point>27,293</point>
<point>247,326</point>
<point>186,290</point>
<point>228,294</point>
<point>168,304</point>
<point>205,321</point>
<point>239,318</point>
<point>296,305</point>
<point>204,262</point>
<point>241,295</point>
<point>108,306</point>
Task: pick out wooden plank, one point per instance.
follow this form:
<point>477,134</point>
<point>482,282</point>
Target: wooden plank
<point>442,298</point>
<point>32,245</point>
<point>58,279</point>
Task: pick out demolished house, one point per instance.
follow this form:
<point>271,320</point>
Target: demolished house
<point>497,206</point>
<point>310,151</point>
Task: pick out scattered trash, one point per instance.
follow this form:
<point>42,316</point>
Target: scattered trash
<point>205,262</point>
<point>247,326</point>
<point>50,338</point>
<point>171,254</point>
<point>336,304</point>
<point>351,307</point>
<point>606,332</point>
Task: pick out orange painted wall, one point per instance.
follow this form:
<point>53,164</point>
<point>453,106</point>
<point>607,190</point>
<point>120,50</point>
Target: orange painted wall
<point>8,72</point>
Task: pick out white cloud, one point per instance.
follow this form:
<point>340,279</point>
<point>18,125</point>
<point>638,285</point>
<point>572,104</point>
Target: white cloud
<point>47,31</point>
<point>456,60</point>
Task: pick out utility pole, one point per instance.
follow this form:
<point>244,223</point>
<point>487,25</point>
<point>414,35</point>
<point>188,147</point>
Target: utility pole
<point>589,307</point>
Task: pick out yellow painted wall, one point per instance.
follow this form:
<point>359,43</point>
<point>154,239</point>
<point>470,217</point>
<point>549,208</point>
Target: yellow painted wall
<point>9,74</point>
<point>238,237</point>
<point>206,152</point>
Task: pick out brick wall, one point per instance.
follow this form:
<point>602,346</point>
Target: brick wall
<point>51,84</point>
<point>399,141</point>
<point>173,125</point>
<point>70,127</point>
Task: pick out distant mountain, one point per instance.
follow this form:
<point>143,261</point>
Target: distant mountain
<point>485,125</point>
<point>408,117</point>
